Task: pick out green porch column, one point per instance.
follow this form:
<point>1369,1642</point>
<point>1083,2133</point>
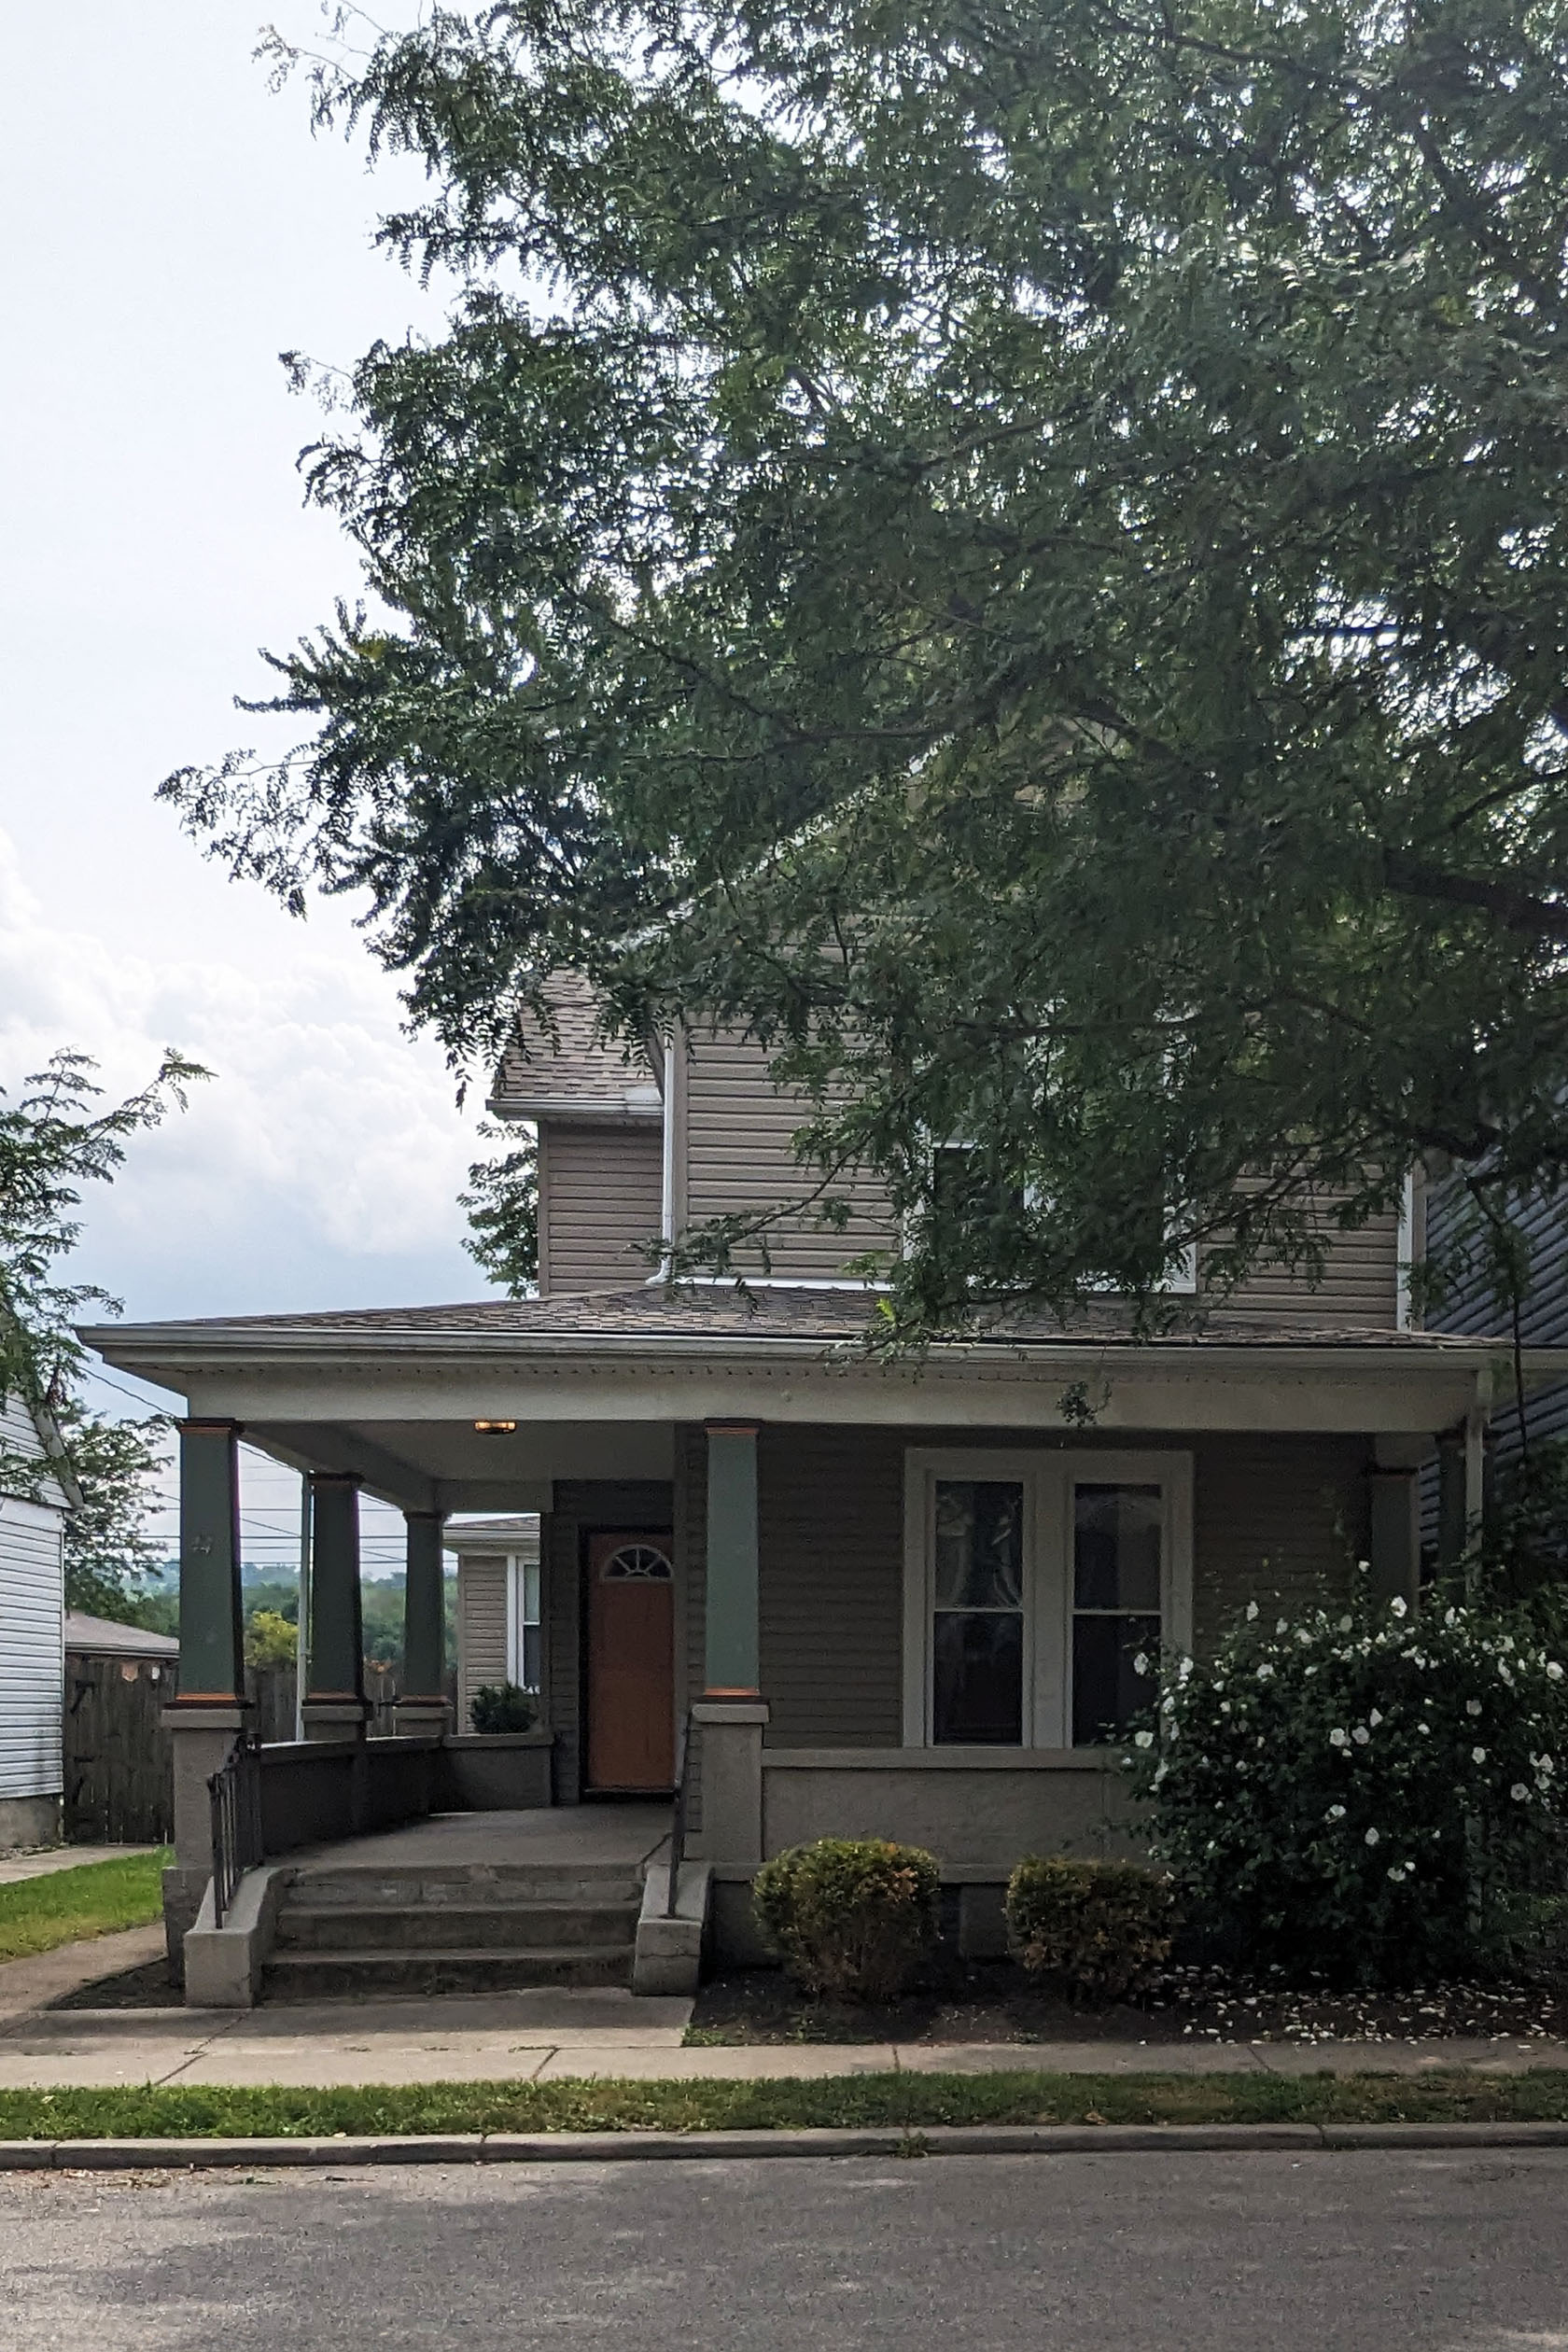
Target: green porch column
<point>733,1667</point>
<point>212,1614</point>
<point>335,1707</point>
<point>732,1713</point>
<point>211,1706</point>
<point>421,1704</point>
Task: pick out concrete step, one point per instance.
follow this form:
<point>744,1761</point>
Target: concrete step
<point>339,1926</point>
<point>466,1885</point>
<point>314,1976</point>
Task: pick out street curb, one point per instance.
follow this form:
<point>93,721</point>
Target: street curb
<point>597,2148</point>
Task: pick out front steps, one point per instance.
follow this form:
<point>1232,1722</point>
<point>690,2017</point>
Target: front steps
<point>353,1931</point>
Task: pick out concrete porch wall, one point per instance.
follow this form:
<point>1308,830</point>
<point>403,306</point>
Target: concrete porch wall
<point>973,1809</point>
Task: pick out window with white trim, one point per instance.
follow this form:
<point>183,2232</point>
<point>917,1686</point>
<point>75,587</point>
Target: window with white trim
<point>524,1633</point>
<point>1032,1583</point>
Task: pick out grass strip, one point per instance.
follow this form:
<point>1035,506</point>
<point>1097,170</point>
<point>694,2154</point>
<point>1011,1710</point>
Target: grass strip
<point>62,1906</point>
<point>846,2102</point>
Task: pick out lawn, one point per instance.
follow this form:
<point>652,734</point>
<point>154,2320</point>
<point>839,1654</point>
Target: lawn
<point>64,1906</point>
<point>904,2102</point>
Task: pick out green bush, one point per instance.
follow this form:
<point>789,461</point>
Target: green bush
<point>1098,1929</point>
<point>1374,1795</point>
<point>851,1918</point>
<point>503,1707</point>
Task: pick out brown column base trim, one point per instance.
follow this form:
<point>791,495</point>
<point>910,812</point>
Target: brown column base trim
<point>721,1691</point>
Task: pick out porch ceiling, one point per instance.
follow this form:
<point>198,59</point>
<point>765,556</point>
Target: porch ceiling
<point>448,1465</point>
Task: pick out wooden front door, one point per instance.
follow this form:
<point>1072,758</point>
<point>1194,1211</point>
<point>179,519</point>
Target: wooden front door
<point>631,1662</point>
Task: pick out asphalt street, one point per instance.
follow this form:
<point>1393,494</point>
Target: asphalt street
<point>1117,2253</point>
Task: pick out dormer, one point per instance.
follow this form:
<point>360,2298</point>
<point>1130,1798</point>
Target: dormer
<point>597,1107</point>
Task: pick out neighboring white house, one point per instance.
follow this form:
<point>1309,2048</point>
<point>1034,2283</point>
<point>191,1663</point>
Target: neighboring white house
<point>31,1639</point>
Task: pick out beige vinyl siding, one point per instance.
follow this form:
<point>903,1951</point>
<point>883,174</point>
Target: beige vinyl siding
<point>1278,1520</point>
<point>482,1627</point>
<point>600,1195</point>
<point>738,1161</point>
<point>1273,1517</point>
<point>1359,1288</point>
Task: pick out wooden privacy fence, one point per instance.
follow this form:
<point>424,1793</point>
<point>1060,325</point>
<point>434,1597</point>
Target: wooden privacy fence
<point>119,1768</point>
<point>119,1775</point>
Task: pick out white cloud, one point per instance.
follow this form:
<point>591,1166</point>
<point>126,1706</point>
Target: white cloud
<point>320,1166</point>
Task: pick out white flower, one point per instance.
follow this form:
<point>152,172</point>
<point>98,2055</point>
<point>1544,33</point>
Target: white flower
<point>1281,1625</point>
<point>1396,1872</point>
<point>1425,1727</point>
<point>1472,1706</point>
<point>1143,1739</point>
<point>1372,1836</point>
<point>1374,1717</point>
<point>1519,1792</point>
<point>1554,1672</point>
<point>1266,1672</point>
<point>1252,1611</point>
<point>1338,1739</point>
<point>1334,1813</point>
<point>1345,1624</point>
<point>1140,1663</point>
<point>1398,1605</point>
<point>1451,1617</point>
<point>1361,1735</point>
<point>1477,1755</point>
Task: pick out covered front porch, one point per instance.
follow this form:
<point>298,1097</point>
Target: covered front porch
<point>746,1555</point>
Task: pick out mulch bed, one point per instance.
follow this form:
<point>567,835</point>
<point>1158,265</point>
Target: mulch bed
<point>150,1986</point>
<point>993,2001</point>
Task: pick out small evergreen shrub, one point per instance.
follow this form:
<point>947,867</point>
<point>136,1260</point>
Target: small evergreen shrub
<point>1376,1795</point>
<point>851,1918</point>
<point>503,1707</point>
<point>1099,1930</point>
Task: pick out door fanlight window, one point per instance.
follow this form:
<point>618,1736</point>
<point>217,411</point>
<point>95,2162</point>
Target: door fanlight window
<point>637,1563</point>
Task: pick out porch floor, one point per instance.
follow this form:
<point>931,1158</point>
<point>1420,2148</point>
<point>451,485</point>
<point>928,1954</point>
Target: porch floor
<point>629,1833</point>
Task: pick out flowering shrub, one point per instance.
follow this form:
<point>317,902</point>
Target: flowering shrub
<point>1373,1796</point>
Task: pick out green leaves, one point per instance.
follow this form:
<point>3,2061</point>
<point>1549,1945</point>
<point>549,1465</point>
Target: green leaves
<point>1018,553</point>
<point>1374,1793</point>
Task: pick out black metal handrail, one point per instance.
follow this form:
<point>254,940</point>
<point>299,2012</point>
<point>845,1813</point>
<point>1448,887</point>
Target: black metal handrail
<point>235,1793</point>
<point>678,1821</point>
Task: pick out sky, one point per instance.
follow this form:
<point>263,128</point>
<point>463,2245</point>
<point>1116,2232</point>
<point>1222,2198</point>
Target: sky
<point>172,226</point>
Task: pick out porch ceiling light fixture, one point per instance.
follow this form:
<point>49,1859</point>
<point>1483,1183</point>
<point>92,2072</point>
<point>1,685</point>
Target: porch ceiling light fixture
<point>495,1429</point>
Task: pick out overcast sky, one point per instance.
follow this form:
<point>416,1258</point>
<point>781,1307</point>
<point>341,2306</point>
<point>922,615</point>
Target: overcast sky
<point>171,226</point>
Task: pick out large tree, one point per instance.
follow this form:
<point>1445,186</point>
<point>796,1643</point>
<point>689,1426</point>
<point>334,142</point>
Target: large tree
<point>56,1136</point>
<point>1017,547</point>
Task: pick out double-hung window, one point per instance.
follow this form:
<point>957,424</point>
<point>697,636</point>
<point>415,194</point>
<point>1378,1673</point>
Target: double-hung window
<point>525,1635</point>
<point>1032,1584</point>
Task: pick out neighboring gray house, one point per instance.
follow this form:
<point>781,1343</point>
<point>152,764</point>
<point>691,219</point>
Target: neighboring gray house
<point>499,1633</point>
<point>32,1632</point>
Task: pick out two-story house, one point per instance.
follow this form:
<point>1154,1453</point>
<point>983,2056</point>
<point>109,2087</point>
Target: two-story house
<point>902,1598</point>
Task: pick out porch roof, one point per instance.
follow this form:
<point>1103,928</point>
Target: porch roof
<point>481,1406</point>
<point>766,1320</point>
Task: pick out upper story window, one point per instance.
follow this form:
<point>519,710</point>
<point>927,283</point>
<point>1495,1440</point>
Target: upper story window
<point>1032,1584</point>
<point>961,1190</point>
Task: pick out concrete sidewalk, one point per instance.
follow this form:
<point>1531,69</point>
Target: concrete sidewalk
<point>553,2035</point>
